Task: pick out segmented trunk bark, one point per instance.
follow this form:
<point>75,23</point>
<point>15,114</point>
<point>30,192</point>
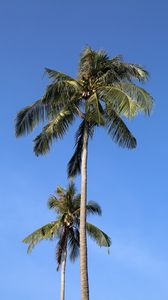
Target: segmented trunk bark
<point>63,266</point>
<point>83,240</point>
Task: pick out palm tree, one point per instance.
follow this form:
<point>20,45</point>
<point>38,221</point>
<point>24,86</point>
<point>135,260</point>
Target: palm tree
<point>103,93</point>
<point>66,228</point>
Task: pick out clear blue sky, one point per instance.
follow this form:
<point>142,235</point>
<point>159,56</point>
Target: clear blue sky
<point>131,186</point>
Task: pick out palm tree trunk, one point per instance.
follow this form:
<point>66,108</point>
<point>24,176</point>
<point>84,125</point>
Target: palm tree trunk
<point>63,266</point>
<point>83,240</point>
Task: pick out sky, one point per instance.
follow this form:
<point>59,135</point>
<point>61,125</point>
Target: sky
<point>130,185</point>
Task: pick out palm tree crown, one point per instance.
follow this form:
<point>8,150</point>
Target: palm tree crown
<point>102,94</point>
<point>65,228</point>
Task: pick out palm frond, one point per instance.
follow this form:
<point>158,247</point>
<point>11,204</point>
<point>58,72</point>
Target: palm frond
<point>57,98</point>
<point>62,90</point>
<point>101,59</point>
<point>74,165</point>
<point>57,76</point>
<point>143,99</point>
<point>109,73</point>
<point>60,95</point>
<point>118,100</point>
<point>100,237</point>
<point>128,70</point>
<point>108,77</point>
<point>71,190</point>
<point>60,191</point>
<point>136,71</point>
<point>93,208</point>
<point>73,243</point>
<point>29,117</point>
<point>61,247</point>
<point>94,110</point>
<point>55,129</point>
<point>118,130</point>
<point>47,231</point>
<point>53,203</point>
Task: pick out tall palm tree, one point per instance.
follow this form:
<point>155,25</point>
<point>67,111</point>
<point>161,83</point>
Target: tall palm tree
<point>66,228</point>
<point>103,93</point>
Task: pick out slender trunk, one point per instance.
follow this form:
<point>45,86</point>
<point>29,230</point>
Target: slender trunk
<point>83,240</point>
<point>63,266</point>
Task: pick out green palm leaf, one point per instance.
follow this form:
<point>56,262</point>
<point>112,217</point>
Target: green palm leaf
<point>47,231</point>
<point>93,208</point>
<point>55,129</point>
<point>101,238</point>
<point>54,203</point>
<point>62,90</point>
<point>119,131</point>
<point>117,99</point>
<point>128,71</point>
<point>73,243</point>
<point>61,246</point>
<point>74,165</point>
<point>56,75</point>
<point>94,110</point>
<point>29,117</point>
<point>138,94</point>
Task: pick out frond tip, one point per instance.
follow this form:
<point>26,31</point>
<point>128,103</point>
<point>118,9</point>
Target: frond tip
<point>100,237</point>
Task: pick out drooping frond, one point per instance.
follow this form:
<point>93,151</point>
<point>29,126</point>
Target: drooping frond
<point>143,99</point>
<point>118,100</point>
<point>93,208</point>
<point>61,246</point>
<point>29,117</point>
<point>47,231</point>
<point>101,238</point>
<point>62,91</point>
<point>74,165</point>
<point>94,110</point>
<point>137,72</point>
<point>128,71</point>
<point>126,99</point>
<point>118,130</point>
<point>55,129</point>
<point>73,243</point>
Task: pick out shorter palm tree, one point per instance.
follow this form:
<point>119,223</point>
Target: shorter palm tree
<point>65,228</point>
